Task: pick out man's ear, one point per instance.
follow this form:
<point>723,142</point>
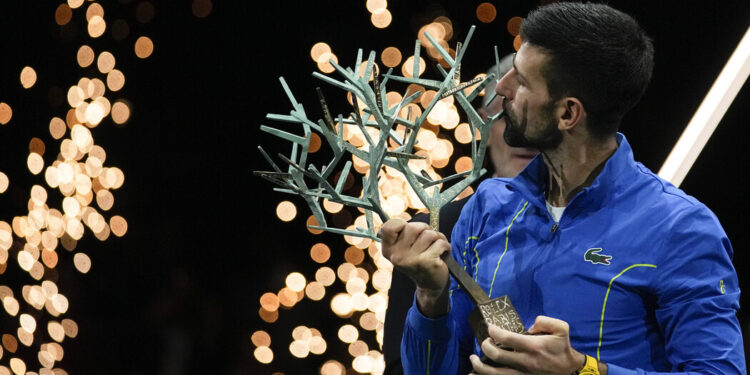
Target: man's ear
<point>571,113</point>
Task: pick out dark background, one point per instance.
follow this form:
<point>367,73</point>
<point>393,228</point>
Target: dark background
<point>179,293</point>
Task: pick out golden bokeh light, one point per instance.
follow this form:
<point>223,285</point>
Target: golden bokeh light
<point>407,68</point>
<point>435,29</point>
<point>514,25</point>
<point>373,5</point>
<point>320,253</point>
<point>332,367</point>
<point>263,354</point>
<point>296,281</point>
<point>94,10</point>
<point>287,297</point>
<point>381,18</point>
<point>324,62</point>
<point>71,330</point>
<point>63,14</point>
<point>28,77</point>
<point>96,26</point>
<point>286,211</point>
<point>10,343</point>
<point>85,56</point>
<point>358,348</point>
<point>463,164</point>
<point>391,57</point>
<point>517,42</point>
<point>299,348</point>
<point>463,133</point>
<point>76,95</point>
<point>363,364</point>
<point>119,225</point>
<point>355,285</point>
<point>315,291</point>
<point>4,182</point>
<point>105,62</point>
<point>269,301</point>
<point>56,331</point>
<point>318,49</point>
<point>301,333</point>
<point>28,323</point>
<point>6,113</point>
<point>312,221</point>
<point>317,345</point>
<point>35,163</point>
<point>261,338</point>
<point>348,333</point>
<point>345,271</point>
<point>37,145</point>
<point>368,321</point>
<point>332,207</point>
<point>354,255</point>
<point>18,366</point>
<point>268,316</point>
<point>315,143</point>
<point>82,262</point>
<point>325,276</point>
<point>144,47</point>
<point>120,112</point>
<point>342,304</point>
<point>75,3</point>
<point>486,12</point>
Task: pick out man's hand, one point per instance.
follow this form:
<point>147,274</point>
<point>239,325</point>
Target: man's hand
<point>415,250</point>
<point>546,350</point>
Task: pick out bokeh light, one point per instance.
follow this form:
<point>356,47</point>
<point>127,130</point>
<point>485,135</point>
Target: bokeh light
<point>28,77</point>
<point>486,12</point>
<point>286,211</point>
<point>6,113</point>
<point>144,47</point>
<point>514,25</point>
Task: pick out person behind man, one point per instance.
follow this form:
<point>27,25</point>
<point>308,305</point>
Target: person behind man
<point>612,269</point>
<point>507,161</point>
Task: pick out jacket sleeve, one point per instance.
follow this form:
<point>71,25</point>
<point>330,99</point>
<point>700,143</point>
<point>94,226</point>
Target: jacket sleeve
<point>442,345</point>
<point>698,299</point>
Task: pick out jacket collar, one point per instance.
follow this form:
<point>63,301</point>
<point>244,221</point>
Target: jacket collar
<point>531,182</point>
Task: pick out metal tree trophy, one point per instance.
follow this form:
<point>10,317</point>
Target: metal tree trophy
<point>299,173</point>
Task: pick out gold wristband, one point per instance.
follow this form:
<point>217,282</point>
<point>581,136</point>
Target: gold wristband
<point>590,367</point>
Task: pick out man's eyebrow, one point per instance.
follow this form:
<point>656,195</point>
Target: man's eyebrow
<point>518,71</point>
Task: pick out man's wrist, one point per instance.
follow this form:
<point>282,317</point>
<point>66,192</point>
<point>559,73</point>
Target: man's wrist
<point>591,366</point>
<point>433,303</point>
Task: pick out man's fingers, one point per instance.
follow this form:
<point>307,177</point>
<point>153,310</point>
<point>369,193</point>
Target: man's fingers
<point>425,239</point>
<point>411,232</point>
<point>487,369</point>
<point>501,356</point>
<point>552,326</point>
<point>438,247</point>
<point>508,339</point>
<point>391,230</point>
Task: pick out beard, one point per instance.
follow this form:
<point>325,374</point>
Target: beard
<point>515,129</point>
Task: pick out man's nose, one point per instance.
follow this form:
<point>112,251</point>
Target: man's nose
<point>504,86</point>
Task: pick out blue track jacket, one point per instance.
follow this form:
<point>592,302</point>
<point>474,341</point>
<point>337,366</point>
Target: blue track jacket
<point>641,271</point>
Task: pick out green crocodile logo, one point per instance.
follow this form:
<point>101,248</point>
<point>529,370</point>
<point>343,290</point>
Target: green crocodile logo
<point>592,255</point>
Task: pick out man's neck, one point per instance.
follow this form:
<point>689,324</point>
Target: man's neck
<point>573,166</point>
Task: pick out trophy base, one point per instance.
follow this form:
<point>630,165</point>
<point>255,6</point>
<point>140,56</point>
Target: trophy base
<point>498,312</point>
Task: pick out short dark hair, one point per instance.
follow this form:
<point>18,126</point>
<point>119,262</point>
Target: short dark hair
<point>597,54</point>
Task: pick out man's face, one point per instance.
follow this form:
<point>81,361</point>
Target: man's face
<point>529,110</point>
<point>508,161</point>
